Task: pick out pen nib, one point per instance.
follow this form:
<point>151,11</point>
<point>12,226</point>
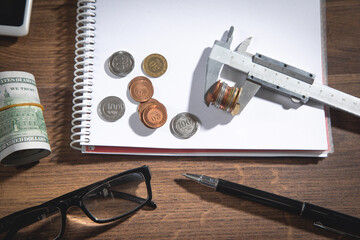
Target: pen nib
<point>204,180</point>
<point>194,177</point>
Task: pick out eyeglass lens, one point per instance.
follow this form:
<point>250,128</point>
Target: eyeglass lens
<point>117,197</point>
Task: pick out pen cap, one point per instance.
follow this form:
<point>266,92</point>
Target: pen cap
<point>332,220</point>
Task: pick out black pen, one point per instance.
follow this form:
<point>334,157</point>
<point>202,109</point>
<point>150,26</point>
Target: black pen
<point>324,218</point>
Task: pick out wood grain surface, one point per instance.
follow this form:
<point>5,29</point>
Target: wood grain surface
<point>185,210</point>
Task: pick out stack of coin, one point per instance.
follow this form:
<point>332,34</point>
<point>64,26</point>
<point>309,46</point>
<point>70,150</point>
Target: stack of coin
<point>152,113</point>
<point>154,65</point>
<point>224,97</point>
<point>184,125</point>
<point>141,89</point>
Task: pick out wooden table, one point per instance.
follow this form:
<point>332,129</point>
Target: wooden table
<point>185,210</point>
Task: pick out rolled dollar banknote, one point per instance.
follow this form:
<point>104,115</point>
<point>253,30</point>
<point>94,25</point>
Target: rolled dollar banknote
<point>23,136</point>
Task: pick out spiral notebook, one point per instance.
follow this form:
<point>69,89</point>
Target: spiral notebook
<point>184,32</point>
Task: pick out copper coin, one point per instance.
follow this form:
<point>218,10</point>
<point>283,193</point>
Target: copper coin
<point>138,78</point>
<point>154,116</point>
<point>142,106</point>
<point>212,93</point>
<point>154,65</point>
<point>141,115</point>
<point>141,89</point>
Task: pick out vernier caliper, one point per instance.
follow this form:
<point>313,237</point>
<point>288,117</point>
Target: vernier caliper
<point>267,72</point>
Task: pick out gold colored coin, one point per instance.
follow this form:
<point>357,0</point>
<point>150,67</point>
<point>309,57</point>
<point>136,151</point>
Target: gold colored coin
<point>236,96</point>
<point>154,65</point>
<point>141,89</point>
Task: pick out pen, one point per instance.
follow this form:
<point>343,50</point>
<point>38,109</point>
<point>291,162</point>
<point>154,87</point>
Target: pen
<point>324,218</point>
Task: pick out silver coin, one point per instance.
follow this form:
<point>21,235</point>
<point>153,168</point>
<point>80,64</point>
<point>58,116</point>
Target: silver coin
<point>111,109</point>
<point>121,63</point>
<point>184,125</point>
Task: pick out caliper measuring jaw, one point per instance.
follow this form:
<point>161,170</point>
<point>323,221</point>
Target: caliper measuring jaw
<point>267,72</point>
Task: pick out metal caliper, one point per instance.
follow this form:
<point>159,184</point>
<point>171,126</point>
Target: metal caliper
<point>265,71</point>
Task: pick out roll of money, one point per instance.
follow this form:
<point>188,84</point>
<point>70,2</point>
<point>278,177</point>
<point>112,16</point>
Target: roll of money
<point>23,136</point>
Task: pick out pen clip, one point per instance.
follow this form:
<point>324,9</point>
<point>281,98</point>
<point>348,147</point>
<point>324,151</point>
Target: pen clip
<point>320,225</point>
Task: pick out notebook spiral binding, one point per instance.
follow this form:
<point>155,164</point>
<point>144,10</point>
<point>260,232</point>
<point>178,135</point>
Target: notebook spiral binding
<point>83,74</point>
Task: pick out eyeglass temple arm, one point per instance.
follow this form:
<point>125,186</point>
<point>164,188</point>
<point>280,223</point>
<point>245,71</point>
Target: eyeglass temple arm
<point>12,225</point>
<point>8,223</point>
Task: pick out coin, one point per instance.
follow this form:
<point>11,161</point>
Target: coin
<point>212,93</point>
<point>154,65</point>
<point>224,97</point>
<point>142,106</point>
<point>152,113</point>
<point>121,63</point>
<point>184,125</point>
<point>111,109</point>
<point>141,89</point>
<point>154,116</point>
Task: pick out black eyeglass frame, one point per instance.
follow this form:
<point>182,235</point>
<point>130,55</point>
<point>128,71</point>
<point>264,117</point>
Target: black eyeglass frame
<point>74,198</point>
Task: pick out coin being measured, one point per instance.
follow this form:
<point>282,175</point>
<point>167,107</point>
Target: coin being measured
<point>212,93</point>
<point>121,63</point>
<point>141,89</point>
<point>184,125</point>
<point>154,65</point>
<point>111,109</point>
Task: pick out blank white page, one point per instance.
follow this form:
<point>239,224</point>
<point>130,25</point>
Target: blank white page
<point>184,32</point>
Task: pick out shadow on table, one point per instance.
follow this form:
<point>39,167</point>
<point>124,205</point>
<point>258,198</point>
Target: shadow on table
<point>76,157</point>
<point>345,121</point>
<point>8,172</point>
<point>78,226</point>
<point>253,208</point>
<point>7,41</point>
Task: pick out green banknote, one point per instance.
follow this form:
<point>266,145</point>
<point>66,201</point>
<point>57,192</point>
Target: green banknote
<point>23,136</point>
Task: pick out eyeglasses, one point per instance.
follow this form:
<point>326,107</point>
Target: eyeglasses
<point>105,201</point>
